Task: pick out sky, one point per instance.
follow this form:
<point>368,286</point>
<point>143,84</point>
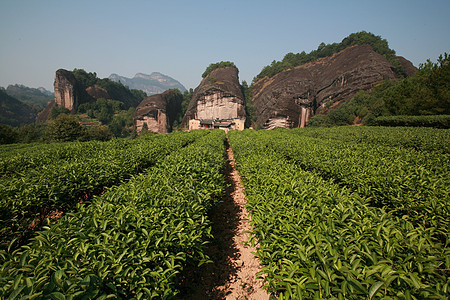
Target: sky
<point>181,38</point>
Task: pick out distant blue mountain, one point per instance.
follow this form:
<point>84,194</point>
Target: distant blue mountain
<point>155,83</point>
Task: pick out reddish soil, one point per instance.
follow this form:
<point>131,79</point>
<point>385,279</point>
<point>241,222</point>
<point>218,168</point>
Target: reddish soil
<point>232,275</point>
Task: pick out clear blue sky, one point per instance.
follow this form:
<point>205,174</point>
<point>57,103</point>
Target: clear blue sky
<point>181,38</point>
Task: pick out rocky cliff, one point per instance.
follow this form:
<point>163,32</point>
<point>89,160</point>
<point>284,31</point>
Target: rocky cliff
<point>65,90</point>
<point>218,96</point>
<point>291,97</point>
<point>158,112</point>
<point>66,95</point>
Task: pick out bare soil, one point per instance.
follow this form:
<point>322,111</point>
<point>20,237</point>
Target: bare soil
<point>232,275</point>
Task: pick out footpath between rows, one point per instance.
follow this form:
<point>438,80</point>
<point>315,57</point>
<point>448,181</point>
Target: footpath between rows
<point>232,274</point>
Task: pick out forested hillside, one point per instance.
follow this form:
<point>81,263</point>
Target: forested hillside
<point>14,112</point>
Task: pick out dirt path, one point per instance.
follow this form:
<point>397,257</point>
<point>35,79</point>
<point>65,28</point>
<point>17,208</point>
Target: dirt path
<point>233,273</point>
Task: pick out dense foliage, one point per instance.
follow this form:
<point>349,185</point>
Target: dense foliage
<point>131,242</point>
<point>292,60</point>
<point>64,128</point>
<point>437,121</point>
<point>222,64</point>
<point>117,112</point>
<point>44,177</point>
<point>117,91</point>
<point>340,215</point>
<point>101,109</point>
<point>186,99</point>
<point>425,93</point>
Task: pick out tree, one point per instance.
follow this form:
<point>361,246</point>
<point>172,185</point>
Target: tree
<point>144,130</point>
<point>104,115</point>
<point>8,134</point>
<point>99,133</point>
<point>30,133</point>
<point>57,110</point>
<point>84,78</point>
<point>222,64</point>
<point>64,128</point>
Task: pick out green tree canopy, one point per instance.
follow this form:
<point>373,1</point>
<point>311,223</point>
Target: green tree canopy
<point>57,110</point>
<point>64,128</point>
<point>222,64</point>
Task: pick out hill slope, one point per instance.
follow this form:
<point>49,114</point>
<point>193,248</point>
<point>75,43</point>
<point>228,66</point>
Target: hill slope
<point>37,98</point>
<point>14,112</point>
<point>152,84</point>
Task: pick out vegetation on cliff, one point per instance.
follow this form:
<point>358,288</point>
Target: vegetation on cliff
<point>116,90</point>
<point>292,60</point>
<point>116,112</point>
<point>425,93</point>
<point>222,64</point>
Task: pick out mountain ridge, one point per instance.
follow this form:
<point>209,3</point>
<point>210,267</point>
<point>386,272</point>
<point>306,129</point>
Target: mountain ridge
<point>152,84</point>
<point>35,97</point>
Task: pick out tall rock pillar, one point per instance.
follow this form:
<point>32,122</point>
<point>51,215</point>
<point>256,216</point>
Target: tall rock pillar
<point>65,92</point>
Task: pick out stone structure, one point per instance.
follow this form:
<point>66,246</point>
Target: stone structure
<point>290,98</point>
<point>158,112</point>
<point>65,90</point>
<point>224,124</point>
<point>217,102</point>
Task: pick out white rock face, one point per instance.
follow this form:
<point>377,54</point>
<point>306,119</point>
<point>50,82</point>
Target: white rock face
<point>218,106</point>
